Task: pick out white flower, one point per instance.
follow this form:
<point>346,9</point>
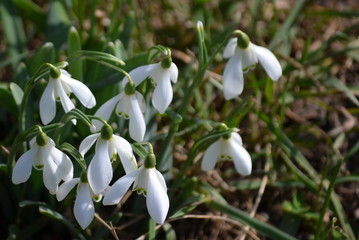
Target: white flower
<point>228,149</point>
<point>147,181</point>
<point>84,209</point>
<point>242,60</point>
<point>100,168</point>
<point>131,107</point>
<point>161,77</point>
<point>55,165</point>
<point>59,89</point>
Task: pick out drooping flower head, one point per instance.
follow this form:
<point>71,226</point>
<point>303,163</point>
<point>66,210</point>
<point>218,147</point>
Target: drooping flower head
<point>59,87</point>
<point>161,75</point>
<point>228,147</point>
<point>43,155</point>
<point>84,209</point>
<point>129,105</point>
<point>147,181</point>
<point>108,146</point>
<point>243,56</point>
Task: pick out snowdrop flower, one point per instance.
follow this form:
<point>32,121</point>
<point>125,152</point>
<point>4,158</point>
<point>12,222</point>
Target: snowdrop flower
<point>228,148</point>
<point>243,56</point>
<point>43,155</point>
<point>60,86</point>
<point>108,146</point>
<point>147,181</point>
<point>84,209</point>
<point>161,74</point>
<point>129,105</point>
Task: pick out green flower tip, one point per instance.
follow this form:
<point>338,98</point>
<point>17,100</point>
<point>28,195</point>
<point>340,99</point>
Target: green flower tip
<point>106,132</point>
<point>242,39</point>
<point>150,161</point>
<point>166,62</point>
<point>54,72</point>
<point>41,139</point>
<point>83,177</point>
<point>130,88</point>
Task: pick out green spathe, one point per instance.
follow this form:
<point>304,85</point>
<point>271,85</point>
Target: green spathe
<point>242,39</point>
<point>41,139</point>
<point>150,161</point>
<point>106,132</point>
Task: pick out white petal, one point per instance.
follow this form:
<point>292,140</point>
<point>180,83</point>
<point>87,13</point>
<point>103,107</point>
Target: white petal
<point>84,209</point>
<point>141,101</point>
<point>116,192</point>
<point>48,104</point>
<point>249,58</point>
<point>22,168</point>
<point>173,73</point>
<point>162,96</point>
<point>124,150</point>
<point>81,91</point>
<point>65,188</point>
<point>269,62</point>
<point>233,77</point>
<point>139,74</point>
<point>65,168</point>
<point>123,107</point>
<point>99,172</point>
<point>87,143</point>
<point>157,199</point>
<point>105,110</point>
<point>242,159</point>
<point>210,156</point>
<point>137,121</point>
<point>51,180</point>
<point>230,48</point>
<point>66,102</point>
<point>237,138</point>
<point>141,182</point>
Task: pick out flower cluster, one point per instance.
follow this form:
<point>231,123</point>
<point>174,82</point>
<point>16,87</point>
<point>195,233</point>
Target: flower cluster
<point>94,182</point>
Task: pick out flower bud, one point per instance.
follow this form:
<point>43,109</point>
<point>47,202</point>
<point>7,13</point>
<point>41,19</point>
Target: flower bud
<point>242,39</point>
<point>130,88</point>
<point>150,161</point>
<point>166,62</point>
<point>106,132</point>
<point>41,139</point>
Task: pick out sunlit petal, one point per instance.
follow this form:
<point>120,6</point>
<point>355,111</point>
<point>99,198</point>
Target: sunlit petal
<point>123,107</point>
<point>137,121</point>
<point>81,91</point>
<point>124,150</point>
<point>48,104</point>
<point>87,143</point>
<point>65,188</point>
<point>22,168</point>
<point>162,95</point>
<point>233,77</point>
<point>116,192</point>
<point>230,48</point>
<point>84,209</point>
<point>106,110</point>
<point>139,74</point>
<point>242,159</point>
<point>173,73</point>
<point>65,168</point>
<point>269,62</point>
<point>66,102</point>
<point>51,180</point>
<point>249,58</point>
<point>210,156</point>
<point>157,200</point>
<point>99,172</point>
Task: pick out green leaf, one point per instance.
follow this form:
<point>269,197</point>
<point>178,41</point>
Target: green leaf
<point>17,93</point>
<point>74,45</point>
<point>334,82</point>
<point>262,227</point>
<point>66,147</point>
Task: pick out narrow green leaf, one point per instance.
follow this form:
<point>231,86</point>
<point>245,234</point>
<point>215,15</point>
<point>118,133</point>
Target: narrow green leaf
<point>17,93</point>
<point>334,82</point>
<point>74,45</point>
<point>66,147</point>
<point>264,228</point>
